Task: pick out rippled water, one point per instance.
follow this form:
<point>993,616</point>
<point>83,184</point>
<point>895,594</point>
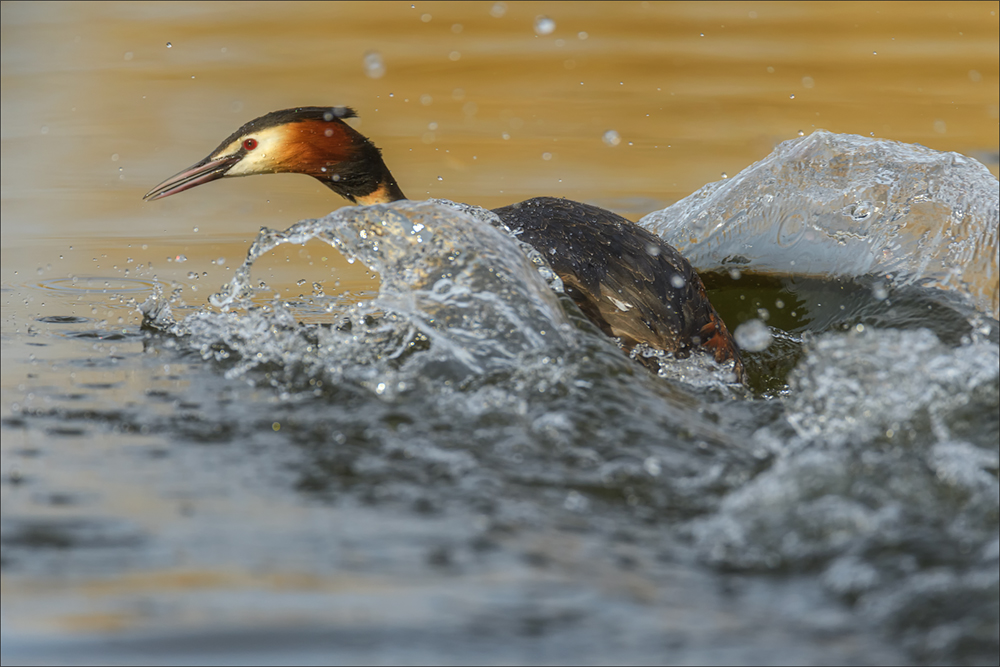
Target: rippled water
<point>473,404</point>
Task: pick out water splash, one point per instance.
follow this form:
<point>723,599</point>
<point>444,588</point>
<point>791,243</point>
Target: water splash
<point>455,288</point>
<point>887,487</point>
<point>832,205</point>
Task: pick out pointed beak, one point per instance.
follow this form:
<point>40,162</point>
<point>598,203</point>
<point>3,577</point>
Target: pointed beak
<point>201,172</point>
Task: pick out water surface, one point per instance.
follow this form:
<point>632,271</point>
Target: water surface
<point>327,476</point>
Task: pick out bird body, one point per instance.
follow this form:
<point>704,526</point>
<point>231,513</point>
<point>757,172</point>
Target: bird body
<point>628,281</point>
<point>625,279</point>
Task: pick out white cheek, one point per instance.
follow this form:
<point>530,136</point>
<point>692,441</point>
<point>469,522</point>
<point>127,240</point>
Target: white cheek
<point>259,160</point>
<point>255,162</point>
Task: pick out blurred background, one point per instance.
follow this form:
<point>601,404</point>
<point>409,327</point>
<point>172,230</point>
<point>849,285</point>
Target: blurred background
<point>628,105</point>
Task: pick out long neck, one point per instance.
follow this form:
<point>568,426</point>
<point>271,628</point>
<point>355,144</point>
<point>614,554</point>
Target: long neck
<point>386,191</point>
<point>364,178</point>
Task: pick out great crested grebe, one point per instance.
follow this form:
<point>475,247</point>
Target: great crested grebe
<point>626,280</point>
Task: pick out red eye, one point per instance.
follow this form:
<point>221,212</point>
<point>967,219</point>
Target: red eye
<point>249,144</point>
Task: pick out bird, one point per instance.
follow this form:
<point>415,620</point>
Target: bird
<point>630,283</point>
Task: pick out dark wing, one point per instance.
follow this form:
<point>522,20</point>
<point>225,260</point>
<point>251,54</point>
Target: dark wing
<point>628,281</point>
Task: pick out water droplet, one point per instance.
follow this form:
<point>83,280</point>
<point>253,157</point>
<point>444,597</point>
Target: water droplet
<point>374,65</point>
<point>861,211</point>
<point>880,292</point>
<point>498,9</point>
<point>753,336</point>
<point>426,18</point>
<point>544,25</point>
<point>677,280</point>
<point>611,138</point>
<point>652,466</point>
<point>426,100</point>
<point>576,502</point>
<point>114,157</point>
<point>546,156</point>
<point>582,35</point>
